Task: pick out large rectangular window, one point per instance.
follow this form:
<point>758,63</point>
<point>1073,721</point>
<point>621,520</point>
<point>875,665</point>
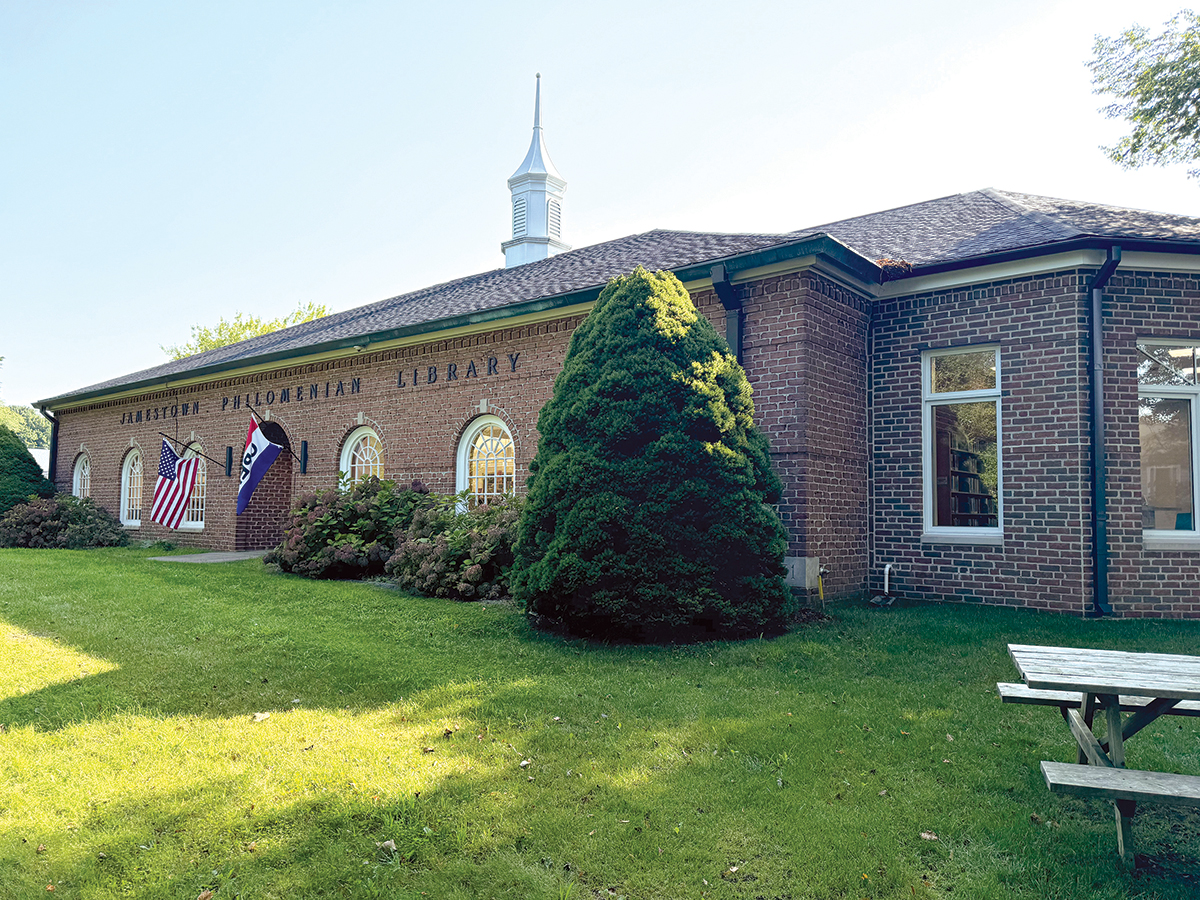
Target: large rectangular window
<point>962,463</point>
<point>1168,392</point>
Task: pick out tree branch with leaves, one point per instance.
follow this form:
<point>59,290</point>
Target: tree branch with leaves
<point>1155,83</point>
<point>241,328</point>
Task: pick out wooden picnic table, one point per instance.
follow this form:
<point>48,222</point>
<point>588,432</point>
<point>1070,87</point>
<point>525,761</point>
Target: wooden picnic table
<point>1084,681</point>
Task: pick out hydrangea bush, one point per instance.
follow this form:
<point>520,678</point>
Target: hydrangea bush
<point>450,550</point>
<point>348,531</point>
<point>62,522</point>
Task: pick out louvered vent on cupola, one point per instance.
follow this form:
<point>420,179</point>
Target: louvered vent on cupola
<point>554,216</point>
<point>518,216</point>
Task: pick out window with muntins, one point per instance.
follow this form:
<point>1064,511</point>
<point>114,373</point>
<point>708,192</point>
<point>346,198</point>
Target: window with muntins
<point>81,484</point>
<point>961,431</point>
<point>131,490</point>
<point>362,454</point>
<point>1168,391</point>
<point>487,461</point>
<point>194,516</point>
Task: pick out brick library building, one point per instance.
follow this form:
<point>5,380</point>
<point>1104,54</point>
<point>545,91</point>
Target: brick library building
<point>991,397</point>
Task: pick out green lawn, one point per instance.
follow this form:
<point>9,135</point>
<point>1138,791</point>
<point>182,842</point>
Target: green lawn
<point>503,763</point>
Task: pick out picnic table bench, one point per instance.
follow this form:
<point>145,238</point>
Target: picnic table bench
<point>1082,682</point>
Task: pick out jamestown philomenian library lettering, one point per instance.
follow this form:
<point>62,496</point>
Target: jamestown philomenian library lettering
<point>991,397</point>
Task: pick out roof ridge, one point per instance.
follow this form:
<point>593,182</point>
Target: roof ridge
<point>1063,229</point>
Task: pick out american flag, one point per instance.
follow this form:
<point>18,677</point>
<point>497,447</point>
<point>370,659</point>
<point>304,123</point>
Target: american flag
<point>173,490</point>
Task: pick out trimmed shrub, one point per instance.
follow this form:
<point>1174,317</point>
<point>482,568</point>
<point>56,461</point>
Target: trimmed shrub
<point>348,531</point>
<point>20,475</point>
<point>647,512</point>
<point>62,522</point>
<point>451,551</point>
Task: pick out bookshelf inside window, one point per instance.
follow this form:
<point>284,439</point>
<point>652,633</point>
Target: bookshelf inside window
<point>965,498</point>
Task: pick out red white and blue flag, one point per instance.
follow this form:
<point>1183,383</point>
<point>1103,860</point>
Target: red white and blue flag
<point>173,490</point>
<point>256,459</point>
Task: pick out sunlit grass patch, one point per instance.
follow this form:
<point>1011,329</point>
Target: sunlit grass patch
<point>30,662</point>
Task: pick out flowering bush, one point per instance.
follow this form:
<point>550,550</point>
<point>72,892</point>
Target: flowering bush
<point>449,550</point>
<point>63,522</point>
<point>348,531</point>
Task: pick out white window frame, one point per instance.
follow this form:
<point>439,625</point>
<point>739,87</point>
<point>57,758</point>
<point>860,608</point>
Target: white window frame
<point>462,479</point>
<point>134,457</point>
<point>193,516</point>
<point>351,442</point>
<point>81,478</point>
<point>929,401</point>
<point>1176,539</point>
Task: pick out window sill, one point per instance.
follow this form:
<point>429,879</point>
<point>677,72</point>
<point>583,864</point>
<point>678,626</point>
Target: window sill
<point>988,539</point>
<point>192,526</point>
<point>1171,540</point>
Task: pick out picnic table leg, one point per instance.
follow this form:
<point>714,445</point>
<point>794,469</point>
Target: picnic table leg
<point>1116,742</point>
<point>1088,712</point>
<point>1124,810</point>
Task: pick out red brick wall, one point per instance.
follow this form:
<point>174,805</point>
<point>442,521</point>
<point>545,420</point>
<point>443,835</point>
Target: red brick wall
<point>804,350</point>
<point>260,526</point>
<point>1143,582</point>
<point>419,425</point>
<point>1040,325</point>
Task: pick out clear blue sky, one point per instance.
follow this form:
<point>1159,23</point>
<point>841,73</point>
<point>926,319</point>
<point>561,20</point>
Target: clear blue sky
<point>166,164</point>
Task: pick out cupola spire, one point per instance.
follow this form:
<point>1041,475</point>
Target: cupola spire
<point>537,196</point>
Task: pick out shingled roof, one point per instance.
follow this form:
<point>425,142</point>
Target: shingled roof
<point>948,230</point>
<point>563,274</point>
<point>965,226</point>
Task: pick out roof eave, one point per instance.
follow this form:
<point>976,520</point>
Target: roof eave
<point>1088,242</point>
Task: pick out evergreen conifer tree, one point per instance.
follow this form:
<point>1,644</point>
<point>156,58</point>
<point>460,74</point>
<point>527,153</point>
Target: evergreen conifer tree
<point>20,475</point>
<point>647,515</point>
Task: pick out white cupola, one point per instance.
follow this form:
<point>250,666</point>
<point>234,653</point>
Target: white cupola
<point>537,195</point>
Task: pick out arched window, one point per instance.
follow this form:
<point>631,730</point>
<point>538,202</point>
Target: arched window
<point>81,484</point>
<point>487,461</point>
<point>362,454</point>
<point>131,490</point>
<point>194,517</point>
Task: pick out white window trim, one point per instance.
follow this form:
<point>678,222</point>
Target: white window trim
<point>126,474</point>
<point>1164,539</point>
<point>83,460</point>
<point>348,448</point>
<point>195,449</point>
<point>461,479</point>
<point>943,533</point>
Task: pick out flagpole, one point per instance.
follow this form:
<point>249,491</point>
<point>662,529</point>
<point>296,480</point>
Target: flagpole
<point>186,448</point>
<point>288,448</point>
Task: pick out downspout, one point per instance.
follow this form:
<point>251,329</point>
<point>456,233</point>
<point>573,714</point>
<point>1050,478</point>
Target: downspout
<point>1100,604</point>
<point>727,294</point>
<point>53,443</point>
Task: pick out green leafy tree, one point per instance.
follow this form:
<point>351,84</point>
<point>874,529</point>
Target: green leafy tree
<point>20,475</point>
<point>30,426</point>
<point>1155,81</point>
<point>241,328</point>
<point>647,512</point>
